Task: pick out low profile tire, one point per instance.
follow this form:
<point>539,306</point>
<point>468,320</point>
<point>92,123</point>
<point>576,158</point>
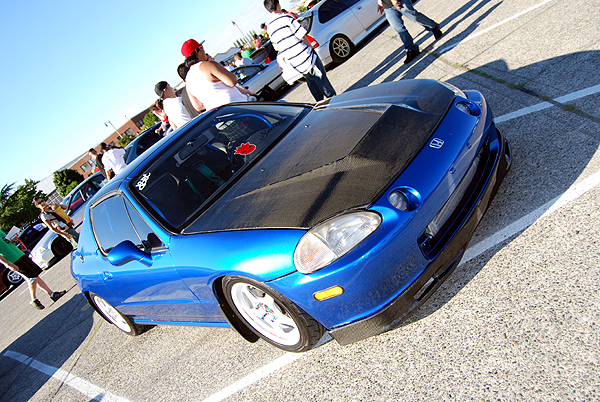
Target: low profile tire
<point>112,315</point>
<point>271,315</point>
<point>340,48</point>
<point>11,278</point>
<point>61,247</point>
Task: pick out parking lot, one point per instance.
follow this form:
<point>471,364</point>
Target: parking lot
<point>517,320</point>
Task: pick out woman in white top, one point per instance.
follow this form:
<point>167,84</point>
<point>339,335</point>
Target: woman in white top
<point>208,83</point>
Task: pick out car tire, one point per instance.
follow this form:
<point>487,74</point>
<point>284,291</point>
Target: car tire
<point>61,247</point>
<point>112,315</point>
<point>340,48</point>
<point>11,278</point>
<point>252,302</point>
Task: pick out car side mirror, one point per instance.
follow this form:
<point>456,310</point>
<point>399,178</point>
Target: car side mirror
<point>125,252</point>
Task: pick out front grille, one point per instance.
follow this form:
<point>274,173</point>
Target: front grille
<point>459,206</point>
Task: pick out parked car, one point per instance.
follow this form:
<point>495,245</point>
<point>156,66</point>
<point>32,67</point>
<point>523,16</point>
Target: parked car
<point>32,233</point>
<point>52,248</point>
<point>262,79</point>
<point>335,28</point>
<point>286,220</point>
<point>141,143</point>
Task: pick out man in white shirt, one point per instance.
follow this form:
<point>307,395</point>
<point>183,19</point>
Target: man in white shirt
<point>113,162</point>
<point>241,61</point>
<point>172,105</point>
<point>289,39</point>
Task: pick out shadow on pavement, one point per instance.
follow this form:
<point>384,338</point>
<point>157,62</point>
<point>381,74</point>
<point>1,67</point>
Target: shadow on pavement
<point>52,341</point>
<point>422,62</point>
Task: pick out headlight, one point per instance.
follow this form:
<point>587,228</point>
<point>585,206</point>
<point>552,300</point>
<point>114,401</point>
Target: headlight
<point>330,240</point>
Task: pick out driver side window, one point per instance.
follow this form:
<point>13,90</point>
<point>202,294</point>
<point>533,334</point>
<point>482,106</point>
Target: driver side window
<point>113,223</point>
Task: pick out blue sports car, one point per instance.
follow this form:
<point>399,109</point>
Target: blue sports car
<point>285,221</point>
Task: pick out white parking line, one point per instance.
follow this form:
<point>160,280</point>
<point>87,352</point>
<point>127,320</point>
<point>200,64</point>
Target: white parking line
<point>545,105</point>
<point>468,38</point>
<point>254,377</point>
<point>87,389</point>
<point>548,208</point>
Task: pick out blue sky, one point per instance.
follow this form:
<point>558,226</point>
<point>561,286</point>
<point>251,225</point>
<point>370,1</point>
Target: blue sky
<point>69,66</point>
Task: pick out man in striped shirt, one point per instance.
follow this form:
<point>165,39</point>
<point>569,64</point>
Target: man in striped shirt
<point>289,39</point>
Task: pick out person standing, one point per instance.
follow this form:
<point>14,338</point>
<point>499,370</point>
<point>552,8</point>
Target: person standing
<point>289,39</point>
<point>57,220</point>
<point>208,81</point>
<point>189,103</point>
<point>157,110</point>
<point>240,60</point>
<point>394,10</point>
<point>97,161</point>
<point>172,105</point>
<point>113,160</point>
<point>15,260</point>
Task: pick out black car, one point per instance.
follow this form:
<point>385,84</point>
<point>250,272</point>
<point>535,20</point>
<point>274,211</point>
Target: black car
<point>32,233</point>
<point>141,143</point>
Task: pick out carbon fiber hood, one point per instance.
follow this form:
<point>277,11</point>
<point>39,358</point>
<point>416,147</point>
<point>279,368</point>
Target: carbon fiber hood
<point>341,156</point>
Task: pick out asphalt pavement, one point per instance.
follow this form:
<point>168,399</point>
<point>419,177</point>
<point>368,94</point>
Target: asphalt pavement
<point>516,321</point>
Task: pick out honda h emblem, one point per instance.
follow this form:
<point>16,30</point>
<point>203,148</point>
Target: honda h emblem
<point>436,143</point>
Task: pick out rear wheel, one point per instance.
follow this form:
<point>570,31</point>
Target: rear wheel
<point>271,315</point>
<point>341,48</point>
<point>112,315</point>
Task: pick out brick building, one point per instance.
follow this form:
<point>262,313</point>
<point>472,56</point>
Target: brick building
<point>132,127</point>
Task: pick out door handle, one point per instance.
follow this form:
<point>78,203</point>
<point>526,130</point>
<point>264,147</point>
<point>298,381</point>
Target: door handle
<point>107,275</point>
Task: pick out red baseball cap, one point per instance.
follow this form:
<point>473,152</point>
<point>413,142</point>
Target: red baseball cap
<point>189,46</point>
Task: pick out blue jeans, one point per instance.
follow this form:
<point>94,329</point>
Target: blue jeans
<point>394,17</point>
<point>319,87</point>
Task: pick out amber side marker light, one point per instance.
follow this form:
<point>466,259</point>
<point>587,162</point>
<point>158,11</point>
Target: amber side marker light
<point>328,293</point>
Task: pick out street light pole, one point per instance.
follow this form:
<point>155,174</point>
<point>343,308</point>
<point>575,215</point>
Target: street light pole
<point>236,25</point>
<point>117,131</point>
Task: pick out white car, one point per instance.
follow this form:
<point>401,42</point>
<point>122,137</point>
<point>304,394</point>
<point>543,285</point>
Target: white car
<point>263,79</point>
<point>334,29</point>
<point>52,247</point>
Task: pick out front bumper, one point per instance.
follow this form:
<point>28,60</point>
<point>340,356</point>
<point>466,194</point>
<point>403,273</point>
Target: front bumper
<point>438,270</point>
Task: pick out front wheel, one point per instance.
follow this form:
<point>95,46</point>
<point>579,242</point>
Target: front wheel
<point>341,49</point>
<point>271,315</point>
<point>112,315</point>
<point>11,278</point>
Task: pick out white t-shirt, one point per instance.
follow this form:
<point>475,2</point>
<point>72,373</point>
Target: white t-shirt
<point>243,62</point>
<point>176,111</point>
<point>211,94</point>
<point>113,160</point>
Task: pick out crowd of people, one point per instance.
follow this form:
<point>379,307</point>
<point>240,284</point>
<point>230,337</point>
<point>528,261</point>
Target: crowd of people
<point>209,84</point>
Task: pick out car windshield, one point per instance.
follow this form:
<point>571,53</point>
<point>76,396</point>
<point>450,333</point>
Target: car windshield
<point>244,74</point>
<point>187,175</point>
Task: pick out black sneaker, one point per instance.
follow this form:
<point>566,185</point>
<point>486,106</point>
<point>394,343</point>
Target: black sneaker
<point>411,55</point>
<point>437,33</point>
<point>36,303</point>
<point>57,295</point>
